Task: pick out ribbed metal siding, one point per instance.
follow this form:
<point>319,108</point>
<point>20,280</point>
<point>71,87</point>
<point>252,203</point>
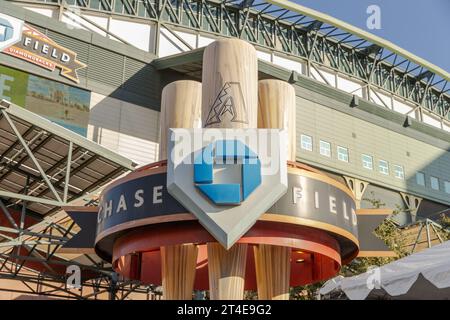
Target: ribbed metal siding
<point>141,78</point>
<point>105,66</point>
<point>362,137</point>
<point>38,28</point>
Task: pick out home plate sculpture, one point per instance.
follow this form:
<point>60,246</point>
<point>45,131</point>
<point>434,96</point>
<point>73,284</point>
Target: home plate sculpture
<point>227,208</point>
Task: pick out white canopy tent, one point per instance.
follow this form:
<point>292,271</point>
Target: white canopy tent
<point>423,275</point>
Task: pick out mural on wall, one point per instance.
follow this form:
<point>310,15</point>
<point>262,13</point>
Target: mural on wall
<point>65,105</point>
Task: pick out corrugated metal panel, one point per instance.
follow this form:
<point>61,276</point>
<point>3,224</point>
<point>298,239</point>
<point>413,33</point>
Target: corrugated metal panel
<point>104,121</point>
<point>38,28</point>
<point>105,66</point>
<point>141,78</point>
<point>139,131</point>
<point>125,128</point>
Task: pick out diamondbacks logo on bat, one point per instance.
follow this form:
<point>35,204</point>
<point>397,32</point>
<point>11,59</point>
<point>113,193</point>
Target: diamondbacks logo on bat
<point>224,106</point>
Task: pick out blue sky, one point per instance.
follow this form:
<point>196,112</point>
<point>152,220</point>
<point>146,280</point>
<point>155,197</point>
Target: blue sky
<point>419,26</point>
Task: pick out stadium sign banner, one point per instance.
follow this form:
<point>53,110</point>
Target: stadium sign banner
<point>24,42</point>
<point>142,199</point>
<point>138,201</point>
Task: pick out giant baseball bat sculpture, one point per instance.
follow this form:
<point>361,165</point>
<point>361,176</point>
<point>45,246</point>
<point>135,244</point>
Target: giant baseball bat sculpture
<point>230,85</point>
<point>180,108</point>
<point>229,100</point>
<point>276,109</point>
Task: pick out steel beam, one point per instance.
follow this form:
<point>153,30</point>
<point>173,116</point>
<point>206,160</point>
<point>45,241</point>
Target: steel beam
<point>30,154</point>
<point>228,19</point>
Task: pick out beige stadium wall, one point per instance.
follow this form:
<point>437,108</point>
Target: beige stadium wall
<point>133,131</point>
<point>317,119</point>
<point>128,129</point>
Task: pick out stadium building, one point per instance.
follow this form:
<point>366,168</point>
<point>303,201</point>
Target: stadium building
<point>81,107</point>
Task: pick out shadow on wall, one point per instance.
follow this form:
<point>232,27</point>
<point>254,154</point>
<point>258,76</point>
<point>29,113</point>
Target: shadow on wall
<point>361,133</point>
<point>127,121</point>
<point>433,180</point>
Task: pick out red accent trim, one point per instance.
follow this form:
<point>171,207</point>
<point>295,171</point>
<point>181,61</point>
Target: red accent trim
<point>136,254</point>
<point>162,163</point>
<point>320,252</point>
<point>15,214</point>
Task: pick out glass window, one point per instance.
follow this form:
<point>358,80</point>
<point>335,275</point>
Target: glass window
<point>420,178</point>
<point>434,183</point>
<point>307,142</point>
<point>447,187</point>
<point>383,167</point>
<point>342,153</point>
<point>367,161</point>
<point>325,148</point>
<point>399,173</point>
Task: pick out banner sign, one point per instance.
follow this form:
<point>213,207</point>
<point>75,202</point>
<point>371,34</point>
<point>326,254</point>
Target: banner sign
<point>317,200</point>
<point>26,43</point>
<point>311,200</point>
<point>146,200</point>
<point>137,199</point>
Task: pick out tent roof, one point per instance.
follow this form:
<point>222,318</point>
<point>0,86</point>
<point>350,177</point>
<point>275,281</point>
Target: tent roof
<point>399,277</point>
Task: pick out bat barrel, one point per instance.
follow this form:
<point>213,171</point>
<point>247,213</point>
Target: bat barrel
<point>180,108</point>
<point>230,85</point>
<point>276,109</point>
<point>229,100</point>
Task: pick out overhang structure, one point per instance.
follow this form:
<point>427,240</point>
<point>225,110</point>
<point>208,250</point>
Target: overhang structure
<point>42,167</point>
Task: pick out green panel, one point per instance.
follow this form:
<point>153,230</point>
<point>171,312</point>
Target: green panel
<point>13,85</point>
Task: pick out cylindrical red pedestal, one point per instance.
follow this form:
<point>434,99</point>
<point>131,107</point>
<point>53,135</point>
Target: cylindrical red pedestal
<point>318,248</point>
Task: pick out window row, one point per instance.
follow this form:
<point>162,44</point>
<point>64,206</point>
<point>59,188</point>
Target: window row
<point>368,163</point>
<point>434,182</point>
<point>306,143</point>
